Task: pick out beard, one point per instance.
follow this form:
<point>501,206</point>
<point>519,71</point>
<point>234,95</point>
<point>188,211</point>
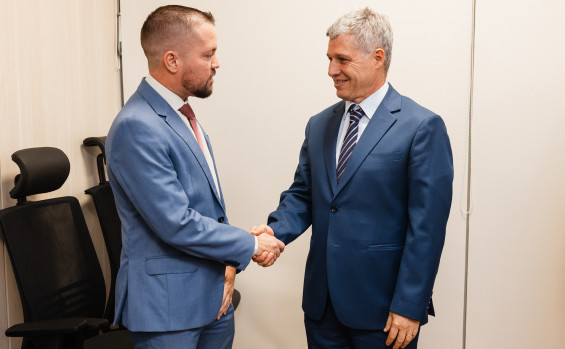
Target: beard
<point>204,90</point>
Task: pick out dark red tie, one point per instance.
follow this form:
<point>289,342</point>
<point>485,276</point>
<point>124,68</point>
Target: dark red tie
<point>186,110</point>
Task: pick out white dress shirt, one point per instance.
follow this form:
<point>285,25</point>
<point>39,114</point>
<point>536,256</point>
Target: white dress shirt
<point>369,106</point>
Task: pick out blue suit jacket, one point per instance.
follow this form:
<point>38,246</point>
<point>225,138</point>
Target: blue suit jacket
<point>377,236</point>
<point>176,240</point>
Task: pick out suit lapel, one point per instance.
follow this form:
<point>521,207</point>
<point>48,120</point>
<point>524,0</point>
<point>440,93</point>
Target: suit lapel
<point>220,195</point>
<point>164,110</point>
<point>330,142</point>
<point>380,123</point>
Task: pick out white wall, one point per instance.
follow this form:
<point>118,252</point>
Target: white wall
<point>59,85</point>
<point>273,77</point>
<point>517,236</point>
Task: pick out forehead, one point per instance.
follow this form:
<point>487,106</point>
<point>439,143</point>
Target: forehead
<point>343,44</point>
<point>202,35</point>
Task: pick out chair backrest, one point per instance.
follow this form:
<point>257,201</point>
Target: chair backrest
<point>99,142</point>
<point>106,207</point>
<point>53,258</point>
<point>110,223</point>
<point>111,226</point>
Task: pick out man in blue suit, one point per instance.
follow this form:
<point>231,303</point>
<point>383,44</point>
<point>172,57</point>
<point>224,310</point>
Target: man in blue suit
<point>179,255</point>
<point>374,180</point>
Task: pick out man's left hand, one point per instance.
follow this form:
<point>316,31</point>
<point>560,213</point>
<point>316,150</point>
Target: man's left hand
<point>400,328</point>
<point>228,291</point>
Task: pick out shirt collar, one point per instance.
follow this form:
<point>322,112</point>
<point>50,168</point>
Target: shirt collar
<point>371,103</point>
<point>174,101</point>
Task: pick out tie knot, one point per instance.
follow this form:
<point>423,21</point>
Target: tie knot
<point>355,113</point>
<point>186,110</point>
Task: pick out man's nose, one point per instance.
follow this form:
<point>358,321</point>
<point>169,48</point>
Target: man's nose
<point>215,63</point>
<point>333,69</point>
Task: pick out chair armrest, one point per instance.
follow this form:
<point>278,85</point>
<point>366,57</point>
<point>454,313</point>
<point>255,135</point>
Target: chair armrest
<point>98,324</point>
<point>236,298</point>
<point>112,340</point>
<point>47,327</point>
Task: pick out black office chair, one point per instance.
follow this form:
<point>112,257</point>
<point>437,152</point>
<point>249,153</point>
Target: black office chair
<point>60,282</point>
<point>110,224</point>
<point>110,221</point>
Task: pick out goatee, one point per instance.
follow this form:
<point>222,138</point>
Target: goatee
<point>203,92</point>
<point>206,90</point>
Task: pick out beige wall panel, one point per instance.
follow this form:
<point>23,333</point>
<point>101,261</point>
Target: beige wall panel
<point>6,42</point>
<point>60,85</point>
<point>517,263</point>
<point>273,77</point>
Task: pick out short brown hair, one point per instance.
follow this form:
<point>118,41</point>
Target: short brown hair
<point>164,25</point>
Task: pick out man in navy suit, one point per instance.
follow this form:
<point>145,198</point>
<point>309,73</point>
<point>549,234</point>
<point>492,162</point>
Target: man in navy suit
<point>179,255</point>
<point>374,180</point>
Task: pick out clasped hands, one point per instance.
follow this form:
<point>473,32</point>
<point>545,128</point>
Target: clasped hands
<point>269,248</point>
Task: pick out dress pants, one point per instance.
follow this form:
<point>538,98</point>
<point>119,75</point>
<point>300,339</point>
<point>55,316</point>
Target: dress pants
<point>216,335</point>
<point>330,333</point>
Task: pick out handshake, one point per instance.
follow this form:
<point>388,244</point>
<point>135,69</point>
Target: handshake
<point>269,248</point>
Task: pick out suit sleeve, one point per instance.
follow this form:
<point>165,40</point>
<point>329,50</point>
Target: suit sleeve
<point>294,213</point>
<point>430,177</point>
<point>144,172</point>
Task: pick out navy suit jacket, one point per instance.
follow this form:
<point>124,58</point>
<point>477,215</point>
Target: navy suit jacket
<point>377,236</point>
<point>176,240</point>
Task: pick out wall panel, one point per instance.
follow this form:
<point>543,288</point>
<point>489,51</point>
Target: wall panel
<point>516,260</point>
<point>59,85</point>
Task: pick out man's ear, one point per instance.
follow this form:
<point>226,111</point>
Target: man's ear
<point>171,61</point>
<point>380,57</point>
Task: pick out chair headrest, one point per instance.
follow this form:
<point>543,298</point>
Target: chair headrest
<point>101,158</point>
<point>42,170</point>
<point>96,141</point>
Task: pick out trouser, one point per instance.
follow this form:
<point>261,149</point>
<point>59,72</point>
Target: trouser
<point>216,335</point>
<point>330,333</point>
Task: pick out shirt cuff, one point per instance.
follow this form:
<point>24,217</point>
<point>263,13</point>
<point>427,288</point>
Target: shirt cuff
<point>256,246</point>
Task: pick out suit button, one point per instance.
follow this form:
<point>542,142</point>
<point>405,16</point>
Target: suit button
<point>221,219</point>
<point>334,209</point>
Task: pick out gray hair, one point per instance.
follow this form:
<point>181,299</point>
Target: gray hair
<point>370,29</point>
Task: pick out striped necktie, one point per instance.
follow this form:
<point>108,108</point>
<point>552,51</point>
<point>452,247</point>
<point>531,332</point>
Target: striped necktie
<point>355,114</point>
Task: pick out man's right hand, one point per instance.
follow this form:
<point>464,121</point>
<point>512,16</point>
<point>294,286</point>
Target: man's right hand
<point>268,250</point>
<point>260,229</point>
